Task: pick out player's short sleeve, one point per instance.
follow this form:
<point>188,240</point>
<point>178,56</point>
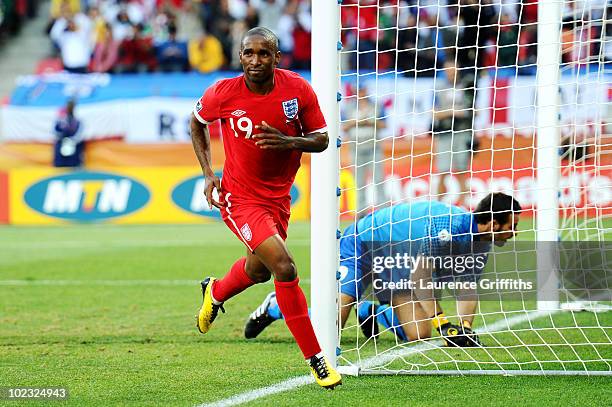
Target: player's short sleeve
<point>207,108</point>
<point>311,117</point>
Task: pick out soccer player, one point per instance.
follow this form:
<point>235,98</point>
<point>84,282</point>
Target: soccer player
<point>269,117</point>
<point>411,315</point>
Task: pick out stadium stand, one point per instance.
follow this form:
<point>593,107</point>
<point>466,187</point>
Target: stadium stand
<point>14,15</point>
<point>20,48</point>
<point>112,28</point>
<point>121,35</point>
<point>135,36</point>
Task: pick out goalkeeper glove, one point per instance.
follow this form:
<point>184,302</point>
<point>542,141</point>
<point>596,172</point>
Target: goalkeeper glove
<point>458,336</point>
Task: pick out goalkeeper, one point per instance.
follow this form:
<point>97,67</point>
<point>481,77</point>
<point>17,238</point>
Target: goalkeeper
<point>427,227</point>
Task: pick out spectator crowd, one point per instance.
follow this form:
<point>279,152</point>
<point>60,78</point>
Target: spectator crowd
<point>417,36</point>
<point>412,36</point>
<point>172,35</point>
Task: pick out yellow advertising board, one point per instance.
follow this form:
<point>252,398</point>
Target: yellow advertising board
<point>121,195</point>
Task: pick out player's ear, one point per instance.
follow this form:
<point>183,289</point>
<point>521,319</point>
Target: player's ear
<point>277,58</point>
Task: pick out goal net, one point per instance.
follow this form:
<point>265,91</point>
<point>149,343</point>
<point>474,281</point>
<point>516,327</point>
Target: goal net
<point>448,101</point>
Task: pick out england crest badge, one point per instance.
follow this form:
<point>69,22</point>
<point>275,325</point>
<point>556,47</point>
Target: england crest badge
<point>290,107</point>
<point>245,230</point>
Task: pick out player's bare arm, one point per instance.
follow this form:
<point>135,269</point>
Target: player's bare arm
<point>454,335</point>
<point>200,138</point>
<point>274,139</point>
<point>421,276</point>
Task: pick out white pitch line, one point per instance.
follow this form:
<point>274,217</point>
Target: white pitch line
<point>99,282</point>
<point>78,244</point>
<point>300,381</point>
<point>110,283</point>
<point>262,392</point>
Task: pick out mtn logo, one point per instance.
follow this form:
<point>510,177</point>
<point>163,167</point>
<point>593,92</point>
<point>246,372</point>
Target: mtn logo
<point>87,196</point>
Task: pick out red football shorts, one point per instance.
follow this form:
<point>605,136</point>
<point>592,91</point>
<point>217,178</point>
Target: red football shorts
<point>254,222</point>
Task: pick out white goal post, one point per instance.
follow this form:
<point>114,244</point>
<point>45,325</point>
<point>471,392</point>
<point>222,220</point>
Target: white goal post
<point>324,176</point>
<point>544,138</point>
<point>548,140</point>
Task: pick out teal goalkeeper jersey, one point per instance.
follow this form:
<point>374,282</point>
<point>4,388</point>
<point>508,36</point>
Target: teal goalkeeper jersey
<point>433,221</point>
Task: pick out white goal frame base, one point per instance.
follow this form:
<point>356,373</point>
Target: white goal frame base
<point>587,306</point>
<point>356,371</point>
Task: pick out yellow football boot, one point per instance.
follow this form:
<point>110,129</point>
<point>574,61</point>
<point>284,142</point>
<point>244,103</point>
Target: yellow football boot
<point>323,372</point>
<point>208,312</point>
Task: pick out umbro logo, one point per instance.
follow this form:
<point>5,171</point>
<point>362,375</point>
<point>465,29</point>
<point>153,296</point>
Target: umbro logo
<point>238,113</point>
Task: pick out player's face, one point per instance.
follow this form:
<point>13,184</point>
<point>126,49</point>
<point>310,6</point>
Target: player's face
<point>258,59</point>
<point>505,232</point>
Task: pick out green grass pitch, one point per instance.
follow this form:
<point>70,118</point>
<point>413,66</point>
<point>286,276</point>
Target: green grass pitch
<point>108,312</point>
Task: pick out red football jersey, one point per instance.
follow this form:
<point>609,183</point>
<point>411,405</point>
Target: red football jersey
<point>250,172</point>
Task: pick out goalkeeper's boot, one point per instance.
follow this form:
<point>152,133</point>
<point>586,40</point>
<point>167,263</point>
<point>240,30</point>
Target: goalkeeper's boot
<point>260,319</point>
<point>208,312</point>
<point>366,315</point>
<point>323,372</point>
<point>473,340</point>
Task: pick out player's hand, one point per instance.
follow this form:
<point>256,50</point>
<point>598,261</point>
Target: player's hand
<point>213,183</point>
<point>458,336</point>
<point>271,138</point>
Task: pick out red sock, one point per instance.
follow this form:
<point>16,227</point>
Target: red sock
<point>292,303</point>
<point>234,282</point>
